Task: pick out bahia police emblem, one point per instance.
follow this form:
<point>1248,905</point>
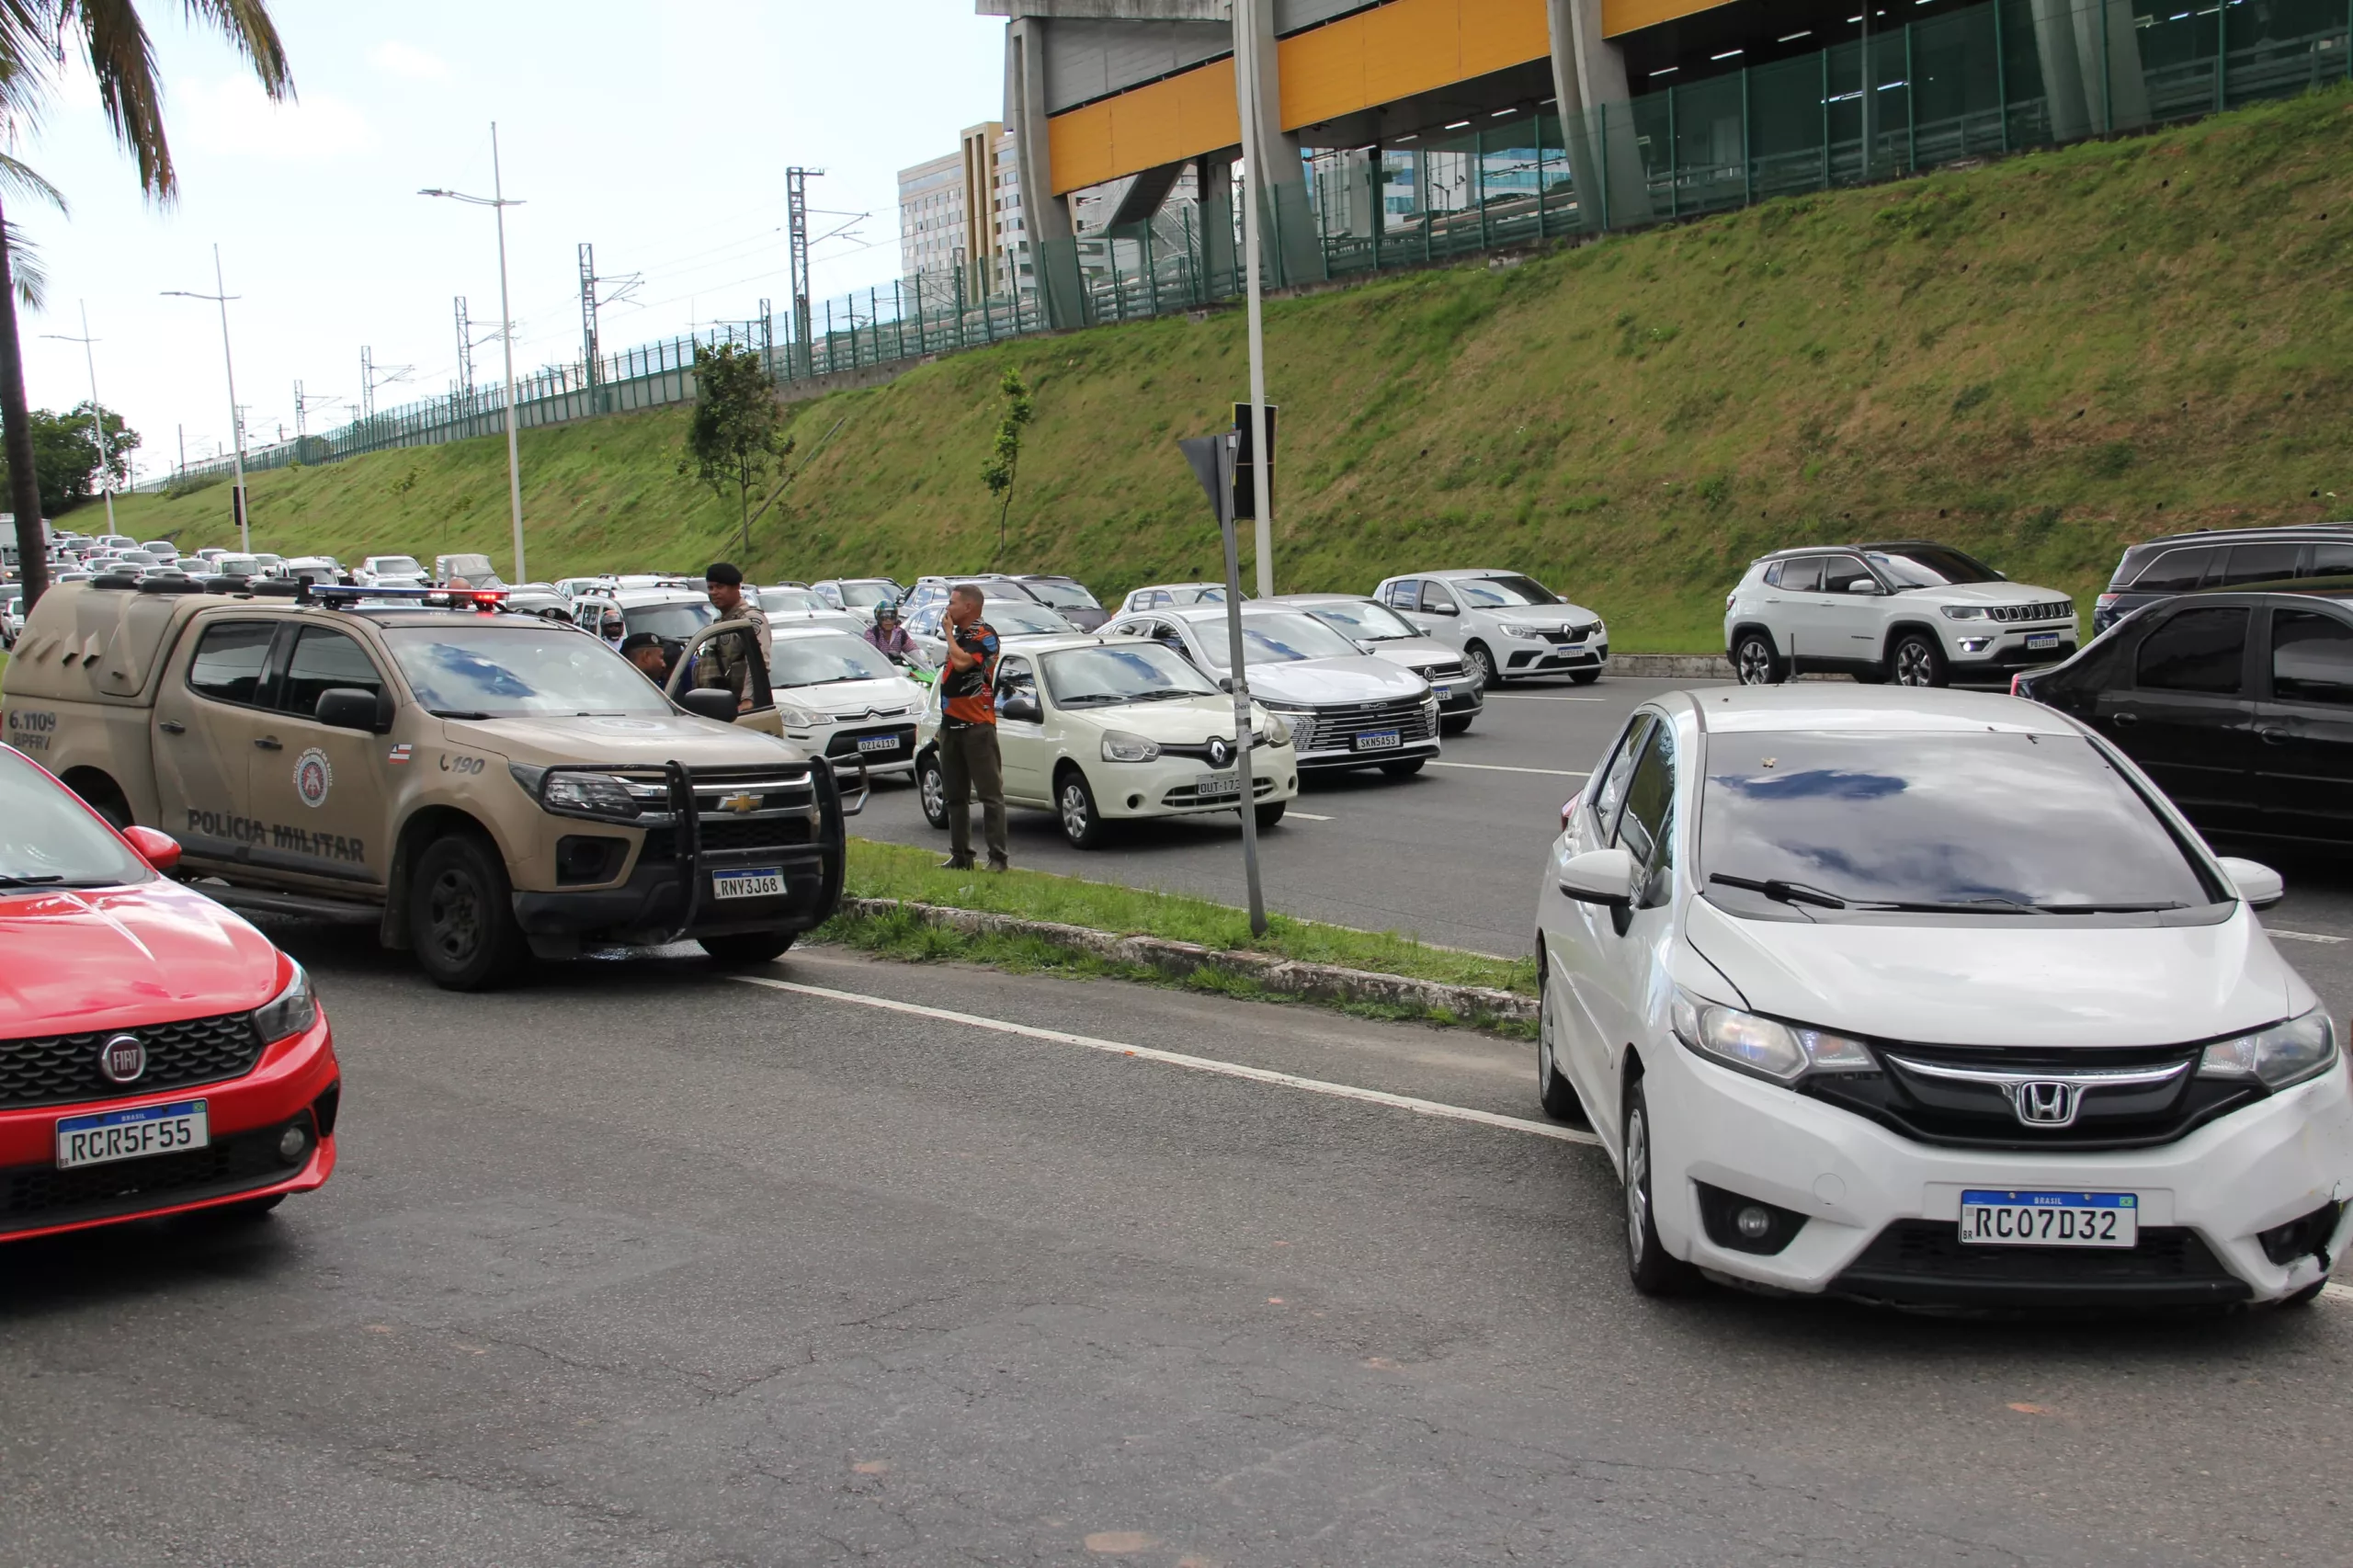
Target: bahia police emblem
<point>313,777</point>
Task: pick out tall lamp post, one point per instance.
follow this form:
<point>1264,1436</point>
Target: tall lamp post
<point>97,423</point>
<point>499,203</point>
<point>221,296</point>
<point>1254,181</point>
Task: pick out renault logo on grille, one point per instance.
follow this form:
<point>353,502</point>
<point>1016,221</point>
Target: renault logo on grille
<point>123,1059</point>
<point>740,804</point>
<point>1220,752</point>
<point>2046,1103</point>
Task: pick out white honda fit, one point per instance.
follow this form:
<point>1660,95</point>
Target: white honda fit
<point>1932,998</point>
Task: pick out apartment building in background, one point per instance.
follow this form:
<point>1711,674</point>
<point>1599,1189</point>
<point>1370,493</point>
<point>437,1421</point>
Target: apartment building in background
<point>962,209</point>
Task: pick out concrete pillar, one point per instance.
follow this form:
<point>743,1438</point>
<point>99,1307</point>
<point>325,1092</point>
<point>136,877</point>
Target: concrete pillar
<point>1287,223</point>
<point>1053,244</point>
<point>1214,181</point>
<point>2091,66</point>
<point>1590,87</point>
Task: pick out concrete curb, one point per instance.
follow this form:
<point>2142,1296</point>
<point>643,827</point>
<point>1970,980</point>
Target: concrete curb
<point>1315,981</point>
<point>1672,667</point>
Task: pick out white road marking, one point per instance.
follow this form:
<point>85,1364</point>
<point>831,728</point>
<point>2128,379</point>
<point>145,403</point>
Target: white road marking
<point>2304,935</point>
<point>1305,816</point>
<point>1498,767</point>
<point>1539,697</point>
<point>1196,1063</point>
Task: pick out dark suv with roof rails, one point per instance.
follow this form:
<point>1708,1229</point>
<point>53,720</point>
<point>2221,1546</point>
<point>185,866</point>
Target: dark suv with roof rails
<point>2221,558</point>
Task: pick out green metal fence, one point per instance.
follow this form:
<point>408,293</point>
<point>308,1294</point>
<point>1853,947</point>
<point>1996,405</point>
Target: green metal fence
<point>1976,83</point>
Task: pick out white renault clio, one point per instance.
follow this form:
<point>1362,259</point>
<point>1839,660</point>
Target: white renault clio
<point>1932,998</point>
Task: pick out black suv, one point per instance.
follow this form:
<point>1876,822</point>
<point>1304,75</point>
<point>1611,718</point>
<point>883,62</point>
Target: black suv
<point>2237,701</point>
<point>2221,558</point>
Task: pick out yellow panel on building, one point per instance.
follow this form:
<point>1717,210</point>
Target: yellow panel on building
<point>1373,57</point>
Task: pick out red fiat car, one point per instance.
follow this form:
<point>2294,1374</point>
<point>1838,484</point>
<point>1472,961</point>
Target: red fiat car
<point>157,1053</point>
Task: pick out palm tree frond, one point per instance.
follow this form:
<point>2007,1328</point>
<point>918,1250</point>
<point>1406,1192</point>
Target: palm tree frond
<point>247,27</point>
<point>25,266</point>
<point>19,179</point>
<point>122,60</point>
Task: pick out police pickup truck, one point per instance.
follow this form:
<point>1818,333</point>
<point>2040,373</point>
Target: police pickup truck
<point>474,784</point>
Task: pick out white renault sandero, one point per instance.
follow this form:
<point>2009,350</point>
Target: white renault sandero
<point>1931,998</point>
<point>1101,731</point>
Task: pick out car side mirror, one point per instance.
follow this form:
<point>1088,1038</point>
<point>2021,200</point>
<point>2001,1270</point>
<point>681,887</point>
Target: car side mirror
<point>1600,876</point>
<point>1025,708</point>
<point>348,708</point>
<point>1862,585</point>
<point>708,702</point>
<point>159,849</point>
<point>1441,609</point>
<point>2259,884</point>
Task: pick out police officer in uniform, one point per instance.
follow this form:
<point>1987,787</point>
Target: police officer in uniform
<point>724,663</point>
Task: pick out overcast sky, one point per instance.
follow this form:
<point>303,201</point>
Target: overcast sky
<point>658,133</point>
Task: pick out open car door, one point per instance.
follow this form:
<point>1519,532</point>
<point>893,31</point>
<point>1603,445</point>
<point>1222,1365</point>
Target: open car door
<point>762,714</point>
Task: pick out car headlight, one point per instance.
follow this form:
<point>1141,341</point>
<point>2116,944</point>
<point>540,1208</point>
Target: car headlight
<point>799,718</point>
<point>577,794</point>
<point>1274,731</point>
<point>2283,1054</point>
<point>1514,629</point>
<point>1962,612</point>
<point>1121,747</point>
<point>1766,1047</point>
<point>291,1012</point>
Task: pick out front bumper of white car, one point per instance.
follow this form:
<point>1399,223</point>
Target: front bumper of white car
<point>1553,654</point>
<point>1175,784</point>
<point>1989,650</point>
<point>1881,1213</point>
<point>885,748</point>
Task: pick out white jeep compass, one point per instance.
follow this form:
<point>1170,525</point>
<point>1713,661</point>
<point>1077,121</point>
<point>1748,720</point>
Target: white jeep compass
<point>1916,613</point>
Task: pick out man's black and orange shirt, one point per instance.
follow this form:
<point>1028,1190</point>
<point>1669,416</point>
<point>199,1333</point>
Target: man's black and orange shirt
<point>968,695</point>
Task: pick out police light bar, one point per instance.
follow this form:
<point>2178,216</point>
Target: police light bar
<point>483,600</point>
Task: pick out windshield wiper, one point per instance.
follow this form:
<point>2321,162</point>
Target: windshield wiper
<point>2154,907</point>
<point>47,882</point>
<point>457,713</point>
<point>1991,904</point>
<point>1781,892</point>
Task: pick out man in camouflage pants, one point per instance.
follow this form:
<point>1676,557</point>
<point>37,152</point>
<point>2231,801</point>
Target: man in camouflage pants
<point>725,663</point>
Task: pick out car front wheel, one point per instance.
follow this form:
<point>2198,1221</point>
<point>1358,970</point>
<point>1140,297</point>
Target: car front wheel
<point>1916,661</point>
<point>932,786</point>
<point>1074,803</point>
<point>1647,1264</point>
<point>461,918</point>
<point>1552,1090</point>
<point>1271,814</point>
<point>1483,665</point>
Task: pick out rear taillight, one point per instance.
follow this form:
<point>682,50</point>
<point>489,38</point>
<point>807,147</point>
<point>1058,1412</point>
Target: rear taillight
<point>2017,686</point>
<point>2108,601</point>
<point>1570,809</point>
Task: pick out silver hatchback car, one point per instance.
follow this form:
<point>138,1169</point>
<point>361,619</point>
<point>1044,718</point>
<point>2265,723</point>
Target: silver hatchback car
<point>1504,623</point>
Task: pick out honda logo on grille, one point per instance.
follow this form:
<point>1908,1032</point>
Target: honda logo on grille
<point>2046,1103</point>
<point>123,1059</point>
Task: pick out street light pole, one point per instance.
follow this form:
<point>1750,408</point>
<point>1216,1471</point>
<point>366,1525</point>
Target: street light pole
<point>221,296</point>
<point>499,203</point>
<point>98,424</point>
<point>1253,180</point>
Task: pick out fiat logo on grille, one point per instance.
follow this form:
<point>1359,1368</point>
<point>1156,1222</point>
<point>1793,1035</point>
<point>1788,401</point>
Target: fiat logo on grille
<point>123,1059</point>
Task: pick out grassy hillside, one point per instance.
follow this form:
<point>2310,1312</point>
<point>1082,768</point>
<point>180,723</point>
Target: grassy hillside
<point>2036,361</point>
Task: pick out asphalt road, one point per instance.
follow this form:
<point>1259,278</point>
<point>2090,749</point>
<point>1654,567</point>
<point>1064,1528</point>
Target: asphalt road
<point>641,1263</point>
<point>1448,855</point>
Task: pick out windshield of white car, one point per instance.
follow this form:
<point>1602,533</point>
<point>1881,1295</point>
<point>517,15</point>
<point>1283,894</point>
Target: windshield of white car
<point>866,596</point>
<point>1931,566</point>
<point>236,565</point>
<point>48,839</point>
<point>520,670</point>
<point>1115,673</point>
<point>397,567</point>
<point>1064,595</point>
<point>822,661</point>
<point>677,620</point>
<point>1009,617</point>
<point>1366,622</point>
<point>790,601</point>
<point>1276,637</point>
<point>2012,827</point>
<point>1504,593</point>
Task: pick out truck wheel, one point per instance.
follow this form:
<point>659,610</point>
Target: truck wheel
<point>103,797</point>
<point>745,947</point>
<point>932,786</point>
<point>462,915</point>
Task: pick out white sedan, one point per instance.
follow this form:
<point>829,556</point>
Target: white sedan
<point>1932,998</point>
<point>837,696</point>
<point>1100,731</point>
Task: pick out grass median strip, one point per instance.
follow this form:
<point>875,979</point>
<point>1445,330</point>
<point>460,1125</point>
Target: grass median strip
<point>898,902</point>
